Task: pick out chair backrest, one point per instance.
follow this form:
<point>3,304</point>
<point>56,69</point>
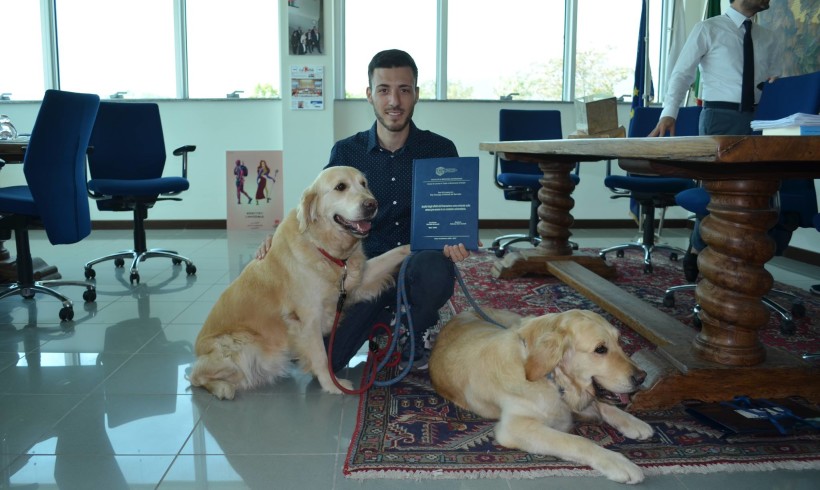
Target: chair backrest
<point>54,164</point>
<point>527,125</point>
<point>644,120</point>
<point>784,97</point>
<point>127,142</point>
<point>789,95</point>
<point>688,121</point>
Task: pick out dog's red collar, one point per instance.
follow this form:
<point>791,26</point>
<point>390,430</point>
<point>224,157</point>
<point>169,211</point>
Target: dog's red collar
<point>339,262</point>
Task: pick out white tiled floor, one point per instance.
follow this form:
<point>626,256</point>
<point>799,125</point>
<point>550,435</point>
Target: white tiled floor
<point>103,403</point>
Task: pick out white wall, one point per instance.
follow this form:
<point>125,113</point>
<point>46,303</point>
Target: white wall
<point>221,125</point>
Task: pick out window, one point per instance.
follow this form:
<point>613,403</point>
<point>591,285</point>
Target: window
<point>375,25</point>
<point>233,47</point>
<point>109,47</point>
<point>23,75</point>
<point>498,48</point>
<point>605,61</point>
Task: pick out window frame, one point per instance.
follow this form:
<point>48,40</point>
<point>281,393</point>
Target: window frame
<point>52,70</point>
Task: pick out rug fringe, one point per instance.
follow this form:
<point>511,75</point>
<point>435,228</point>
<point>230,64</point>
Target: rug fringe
<point>543,473</point>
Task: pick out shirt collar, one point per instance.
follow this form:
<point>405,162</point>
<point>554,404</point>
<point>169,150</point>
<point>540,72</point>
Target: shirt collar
<point>736,17</point>
<point>373,140</point>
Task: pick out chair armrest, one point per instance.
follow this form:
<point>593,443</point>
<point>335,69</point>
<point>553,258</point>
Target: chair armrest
<point>617,192</point>
<point>495,173</point>
<point>183,151</point>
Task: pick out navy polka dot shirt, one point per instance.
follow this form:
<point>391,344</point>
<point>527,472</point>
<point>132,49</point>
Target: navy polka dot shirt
<point>390,177</point>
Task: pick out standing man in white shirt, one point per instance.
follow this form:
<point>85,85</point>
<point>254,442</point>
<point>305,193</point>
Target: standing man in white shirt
<point>716,45</point>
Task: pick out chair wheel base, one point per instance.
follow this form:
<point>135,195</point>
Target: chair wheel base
<point>66,313</point>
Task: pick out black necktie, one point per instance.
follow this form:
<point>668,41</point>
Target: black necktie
<point>747,94</point>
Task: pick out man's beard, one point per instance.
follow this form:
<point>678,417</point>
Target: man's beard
<point>394,126</point>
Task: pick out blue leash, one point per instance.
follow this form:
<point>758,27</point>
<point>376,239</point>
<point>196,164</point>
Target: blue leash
<point>403,309</point>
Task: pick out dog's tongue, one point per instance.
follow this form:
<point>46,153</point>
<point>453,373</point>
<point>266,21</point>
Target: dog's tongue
<point>624,397</point>
<point>361,226</point>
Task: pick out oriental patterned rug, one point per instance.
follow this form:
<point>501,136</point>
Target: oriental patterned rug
<point>408,431</point>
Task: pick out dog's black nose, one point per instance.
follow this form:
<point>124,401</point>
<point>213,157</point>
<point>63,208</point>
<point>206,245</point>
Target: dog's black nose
<point>639,377</point>
<point>370,204</point>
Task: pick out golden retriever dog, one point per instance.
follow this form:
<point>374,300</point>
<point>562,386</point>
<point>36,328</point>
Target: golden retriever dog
<point>536,377</point>
<point>281,306</point>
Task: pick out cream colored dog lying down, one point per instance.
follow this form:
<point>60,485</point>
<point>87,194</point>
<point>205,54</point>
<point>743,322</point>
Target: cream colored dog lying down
<point>536,377</point>
<point>280,307</point>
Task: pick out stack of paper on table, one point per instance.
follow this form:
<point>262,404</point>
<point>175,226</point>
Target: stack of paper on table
<point>796,124</point>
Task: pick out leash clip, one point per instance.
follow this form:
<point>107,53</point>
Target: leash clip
<point>342,292</point>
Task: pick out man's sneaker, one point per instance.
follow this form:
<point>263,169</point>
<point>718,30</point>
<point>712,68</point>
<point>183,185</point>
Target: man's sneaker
<point>815,289</point>
<point>420,362</point>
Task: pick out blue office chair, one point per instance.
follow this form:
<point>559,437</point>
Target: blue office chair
<point>55,197</point>
<point>651,192</point>
<point>520,181</point>
<point>796,198</point>
<point>126,167</point>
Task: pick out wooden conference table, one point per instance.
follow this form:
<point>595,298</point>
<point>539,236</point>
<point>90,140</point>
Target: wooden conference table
<point>741,174</point>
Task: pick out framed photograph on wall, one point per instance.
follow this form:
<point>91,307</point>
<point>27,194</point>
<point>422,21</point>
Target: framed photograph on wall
<point>305,33</point>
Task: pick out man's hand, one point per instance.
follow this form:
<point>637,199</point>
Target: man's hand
<point>665,124</point>
<point>457,253</point>
<point>263,249</point>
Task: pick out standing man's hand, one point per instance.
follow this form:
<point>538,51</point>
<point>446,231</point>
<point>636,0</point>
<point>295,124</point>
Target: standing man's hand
<point>665,124</point>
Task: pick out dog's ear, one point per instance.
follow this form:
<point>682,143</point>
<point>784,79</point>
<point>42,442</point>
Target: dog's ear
<point>306,213</point>
<point>545,348</point>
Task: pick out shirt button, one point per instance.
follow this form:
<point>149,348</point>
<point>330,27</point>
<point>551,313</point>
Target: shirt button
<point>394,202</point>
<point>397,223</point>
<point>393,179</point>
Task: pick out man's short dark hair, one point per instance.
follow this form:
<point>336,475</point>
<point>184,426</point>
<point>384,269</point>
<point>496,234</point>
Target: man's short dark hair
<point>392,58</point>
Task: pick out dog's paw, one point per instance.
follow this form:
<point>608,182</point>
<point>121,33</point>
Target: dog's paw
<point>329,387</point>
<point>617,467</point>
<point>221,389</point>
<point>638,430</point>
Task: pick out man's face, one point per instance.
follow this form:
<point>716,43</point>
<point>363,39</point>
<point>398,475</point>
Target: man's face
<point>754,6</point>
<point>393,95</point>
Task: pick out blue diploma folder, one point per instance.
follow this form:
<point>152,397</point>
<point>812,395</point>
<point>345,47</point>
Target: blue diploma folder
<point>445,203</point>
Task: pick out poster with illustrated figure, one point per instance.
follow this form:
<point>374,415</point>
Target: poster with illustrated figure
<point>255,190</point>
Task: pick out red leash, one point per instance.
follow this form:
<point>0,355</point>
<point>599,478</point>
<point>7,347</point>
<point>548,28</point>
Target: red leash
<point>374,356</point>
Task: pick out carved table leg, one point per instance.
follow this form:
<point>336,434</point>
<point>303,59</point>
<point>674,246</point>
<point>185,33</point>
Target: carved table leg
<point>734,277</point>
<point>554,228</point>
<point>554,211</point>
